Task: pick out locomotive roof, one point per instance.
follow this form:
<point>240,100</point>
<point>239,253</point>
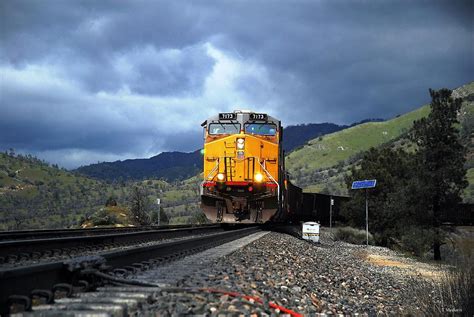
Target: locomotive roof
<point>242,116</point>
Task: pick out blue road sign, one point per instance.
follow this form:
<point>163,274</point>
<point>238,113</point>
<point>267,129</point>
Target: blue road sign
<point>368,183</point>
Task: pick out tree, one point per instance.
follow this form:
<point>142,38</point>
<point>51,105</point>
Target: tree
<point>440,159</point>
<point>140,205</point>
<point>19,218</point>
<point>388,201</point>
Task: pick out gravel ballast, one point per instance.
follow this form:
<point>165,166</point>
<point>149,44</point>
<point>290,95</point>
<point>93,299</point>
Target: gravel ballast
<point>327,278</point>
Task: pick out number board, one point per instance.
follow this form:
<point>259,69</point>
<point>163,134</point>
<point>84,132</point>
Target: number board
<point>368,183</point>
<point>227,116</point>
<point>258,116</point>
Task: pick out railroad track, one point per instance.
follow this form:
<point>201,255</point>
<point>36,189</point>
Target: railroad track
<point>47,282</point>
<point>55,233</point>
<point>38,246</point>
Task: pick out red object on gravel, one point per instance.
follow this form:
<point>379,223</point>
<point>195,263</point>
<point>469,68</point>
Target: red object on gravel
<point>258,300</point>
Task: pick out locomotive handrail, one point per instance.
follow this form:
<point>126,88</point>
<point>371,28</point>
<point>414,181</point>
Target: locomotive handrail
<point>271,177</point>
<point>201,189</point>
<point>214,169</point>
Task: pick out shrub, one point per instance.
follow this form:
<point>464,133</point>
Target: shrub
<point>198,218</point>
<point>417,240</point>
<point>352,235</point>
<point>111,201</point>
<point>102,218</point>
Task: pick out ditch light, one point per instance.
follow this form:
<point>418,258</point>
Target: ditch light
<point>258,177</point>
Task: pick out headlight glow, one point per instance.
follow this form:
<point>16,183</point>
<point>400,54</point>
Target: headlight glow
<point>258,177</point>
<point>240,143</point>
<point>220,176</point>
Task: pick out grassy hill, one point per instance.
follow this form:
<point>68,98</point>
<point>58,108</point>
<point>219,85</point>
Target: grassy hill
<point>337,147</point>
<point>320,166</point>
<point>296,136</point>
<point>34,194</point>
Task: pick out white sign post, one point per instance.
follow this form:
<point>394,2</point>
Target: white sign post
<point>331,203</point>
<point>158,202</point>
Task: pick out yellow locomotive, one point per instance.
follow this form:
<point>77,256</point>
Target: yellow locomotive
<point>244,178</point>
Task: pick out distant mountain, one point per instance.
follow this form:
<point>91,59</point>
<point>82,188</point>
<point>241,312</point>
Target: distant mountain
<point>179,165</point>
<point>172,166</point>
<point>167,165</point>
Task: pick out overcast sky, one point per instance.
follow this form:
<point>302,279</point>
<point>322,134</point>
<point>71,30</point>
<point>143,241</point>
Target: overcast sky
<point>88,81</point>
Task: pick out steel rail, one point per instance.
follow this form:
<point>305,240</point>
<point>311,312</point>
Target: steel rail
<point>23,280</point>
<point>50,233</point>
<point>20,248</point>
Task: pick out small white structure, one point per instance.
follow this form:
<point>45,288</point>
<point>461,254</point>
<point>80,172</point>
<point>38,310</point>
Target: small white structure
<point>311,231</point>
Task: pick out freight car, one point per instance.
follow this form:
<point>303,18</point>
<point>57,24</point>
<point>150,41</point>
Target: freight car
<point>244,179</point>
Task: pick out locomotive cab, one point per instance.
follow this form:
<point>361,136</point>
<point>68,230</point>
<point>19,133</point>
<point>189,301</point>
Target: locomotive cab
<point>242,167</point>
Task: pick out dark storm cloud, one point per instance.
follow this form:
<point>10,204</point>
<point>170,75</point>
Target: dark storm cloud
<point>91,80</point>
<point>359,59</point>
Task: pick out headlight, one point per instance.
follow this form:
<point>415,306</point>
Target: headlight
<point>240,143</point>
<point>258,177</point>
<point>220,177</point>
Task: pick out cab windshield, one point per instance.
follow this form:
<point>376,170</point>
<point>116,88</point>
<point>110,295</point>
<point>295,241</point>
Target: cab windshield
<point>224,128</point>
<point>261,128</point>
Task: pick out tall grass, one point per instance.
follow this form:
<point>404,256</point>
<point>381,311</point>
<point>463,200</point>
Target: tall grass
<point>452,294</point>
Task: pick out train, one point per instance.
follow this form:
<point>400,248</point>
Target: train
<point>245,180</point>
<point>244,176</point>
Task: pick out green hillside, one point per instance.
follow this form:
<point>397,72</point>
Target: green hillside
<point>34,194</point>
<point>333,148</point>
<point>321,165</point>
<point>23,174</point>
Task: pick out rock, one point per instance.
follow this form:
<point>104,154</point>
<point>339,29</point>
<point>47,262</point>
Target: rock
<point>296,289</point>
<point>332,277</point>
